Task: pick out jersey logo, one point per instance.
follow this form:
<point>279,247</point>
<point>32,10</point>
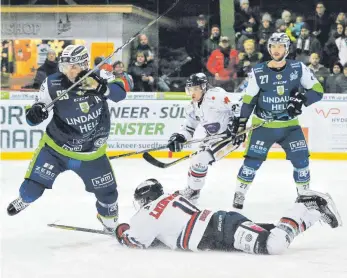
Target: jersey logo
<point>279,76</point>
<point>226,100</point>
<point>294,75</point>
<point>280,90</point>
<point>84,107</point>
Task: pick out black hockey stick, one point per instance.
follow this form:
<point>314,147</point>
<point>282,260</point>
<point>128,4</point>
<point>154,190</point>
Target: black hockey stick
<point>218,136</point>
<point>78,229</point>
<point>110,56</point>
<point>152,160</point>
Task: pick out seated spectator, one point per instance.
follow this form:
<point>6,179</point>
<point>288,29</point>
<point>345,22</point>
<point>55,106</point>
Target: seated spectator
<point>243,16</point>
<point>341,81</point>
<point>287,18</point>
<point>143,46</point>
<point>306,45</point>
<point>248,59</point>
<point>49,67</point>
<point>296,28</point>
<point>330,84</point>
<point>341,44</point>
<point>247,34</point>
<point>264,33</point>
<point>212,42</point>
<point>222,64</point>
<point>118,72</point>
<point>142,73</point>
<point>318,69</point>
<point>105,66</point>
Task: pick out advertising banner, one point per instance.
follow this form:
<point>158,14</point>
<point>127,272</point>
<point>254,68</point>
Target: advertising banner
<point>147,120</point>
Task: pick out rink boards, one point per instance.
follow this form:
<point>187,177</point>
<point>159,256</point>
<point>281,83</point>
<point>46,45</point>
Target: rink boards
<point>146,120</point>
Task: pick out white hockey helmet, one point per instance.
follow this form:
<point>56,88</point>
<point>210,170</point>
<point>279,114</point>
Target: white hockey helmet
<point>74,55</point>
<point>279,38</point>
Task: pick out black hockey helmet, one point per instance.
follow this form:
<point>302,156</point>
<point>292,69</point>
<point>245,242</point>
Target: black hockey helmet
<point>148,191</point>
<point>197,79</point>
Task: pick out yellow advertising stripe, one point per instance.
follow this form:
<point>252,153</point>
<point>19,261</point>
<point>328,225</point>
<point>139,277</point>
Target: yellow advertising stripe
<point>165,154</point>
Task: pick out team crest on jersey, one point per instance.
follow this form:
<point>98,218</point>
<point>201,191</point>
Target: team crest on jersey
<point>280,90</point>
<point>80,93</point>
<point>279,76</point>
<point>294,75</point>
<point>84,107</point>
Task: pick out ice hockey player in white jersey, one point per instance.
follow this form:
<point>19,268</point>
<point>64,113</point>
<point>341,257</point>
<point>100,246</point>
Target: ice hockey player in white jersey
<point>172,220</point>
<point>211,108</point>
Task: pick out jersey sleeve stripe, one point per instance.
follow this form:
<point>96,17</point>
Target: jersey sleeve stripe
<point>189,230</point>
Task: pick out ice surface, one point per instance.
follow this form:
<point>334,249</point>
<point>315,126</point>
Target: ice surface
<point>30,249</point>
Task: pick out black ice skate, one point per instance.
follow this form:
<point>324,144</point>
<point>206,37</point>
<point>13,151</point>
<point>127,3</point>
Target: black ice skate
<point>190,194</point>
<point>239,199</point>
<point>16,206</point>
<point>324,204</point>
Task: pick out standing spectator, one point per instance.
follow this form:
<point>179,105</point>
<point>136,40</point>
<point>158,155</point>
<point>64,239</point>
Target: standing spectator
<point>264,33</point>
<point>321,23</point>
<point>330,84</point>
<point>195,44</point>
<point>331,52</point>
<point>296,29</point>
<point>340,19</point>
<point>248,59</point>
<point>287,18</point>
<point>247,34</point>
<point>222,64</point>
<point>306,45</point>
<point>212,42</point>
<point>118,72</point>
<point>104,66</point>
<point>49,67</point>
<point>318,69</point>
<point>280,26</point>
<point>142,73</point>
<point>341,44</point>
<point>341,81</point>
<point>143,46</point>
<point>244,16</point>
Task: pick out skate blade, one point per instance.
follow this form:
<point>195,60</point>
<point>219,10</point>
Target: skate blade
<point>330,202</point>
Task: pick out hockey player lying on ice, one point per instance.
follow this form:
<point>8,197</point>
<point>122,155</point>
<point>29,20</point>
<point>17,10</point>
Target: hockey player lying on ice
<point>178,224</point>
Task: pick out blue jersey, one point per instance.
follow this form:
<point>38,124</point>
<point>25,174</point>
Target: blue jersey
<point>80,123</point>
<point>268,91</point>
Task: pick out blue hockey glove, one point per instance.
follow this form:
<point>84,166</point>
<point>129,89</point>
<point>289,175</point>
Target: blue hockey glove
<point>295,104</point>
<point>35,114</point>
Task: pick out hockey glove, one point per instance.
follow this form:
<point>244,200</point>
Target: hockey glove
<point>35,114</point>
<point>93,84</point>
<point>236,126</point>
<point>295,104</point>
<point>121,228</point>
<point>176,142</point>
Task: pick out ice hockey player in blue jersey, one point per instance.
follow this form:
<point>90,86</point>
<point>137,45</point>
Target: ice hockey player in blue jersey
<point>76,136</point>
<point>273,94</point>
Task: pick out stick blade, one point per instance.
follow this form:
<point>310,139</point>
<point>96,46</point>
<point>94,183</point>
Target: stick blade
<point>150,159</point>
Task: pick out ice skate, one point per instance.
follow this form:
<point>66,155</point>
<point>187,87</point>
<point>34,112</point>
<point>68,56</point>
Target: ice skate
<point>239,199</point>
<point>16,206</point>
<point>324,204</point>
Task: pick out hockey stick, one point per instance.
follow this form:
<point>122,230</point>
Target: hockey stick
<point>212,137</point>
<point>152,160</point>
<point>108,57</point>
<point>78,229</point>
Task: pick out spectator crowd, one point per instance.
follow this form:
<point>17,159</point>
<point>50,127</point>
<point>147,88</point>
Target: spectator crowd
<point>318,40</point>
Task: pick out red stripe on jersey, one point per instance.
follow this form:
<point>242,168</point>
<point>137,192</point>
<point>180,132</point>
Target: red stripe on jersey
<point>198,175</point>
<point>189,229</point>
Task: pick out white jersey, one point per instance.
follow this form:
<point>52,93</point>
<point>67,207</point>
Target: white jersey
<point>172,219</point>
<point>213,113</point>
